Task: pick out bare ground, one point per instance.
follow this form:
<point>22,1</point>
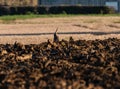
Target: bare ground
<point>34,31</point>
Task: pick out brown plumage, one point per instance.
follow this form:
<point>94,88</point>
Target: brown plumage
<point>56,37</point>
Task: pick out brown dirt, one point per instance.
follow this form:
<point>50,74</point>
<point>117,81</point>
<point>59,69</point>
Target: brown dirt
<point>81,64</point>
<point>63,65</point>
<point>88,27</point>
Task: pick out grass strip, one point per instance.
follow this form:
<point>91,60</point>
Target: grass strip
<point>17,17</point>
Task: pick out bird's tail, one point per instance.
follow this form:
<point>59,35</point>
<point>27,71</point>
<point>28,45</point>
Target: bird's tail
<point>56,30</point>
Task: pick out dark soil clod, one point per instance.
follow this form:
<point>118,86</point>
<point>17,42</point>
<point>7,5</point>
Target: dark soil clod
<point>80,64</point>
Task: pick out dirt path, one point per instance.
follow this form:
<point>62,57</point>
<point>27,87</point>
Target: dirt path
<point>40,29</point>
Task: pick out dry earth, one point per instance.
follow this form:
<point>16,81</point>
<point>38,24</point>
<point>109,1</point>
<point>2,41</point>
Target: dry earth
<point>40,29</point>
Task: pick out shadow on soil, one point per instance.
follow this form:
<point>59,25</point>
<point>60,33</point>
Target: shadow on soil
<point>61,33</point>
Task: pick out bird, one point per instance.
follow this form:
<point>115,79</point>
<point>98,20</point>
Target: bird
<point>56,37</point>
<point>71,40</point>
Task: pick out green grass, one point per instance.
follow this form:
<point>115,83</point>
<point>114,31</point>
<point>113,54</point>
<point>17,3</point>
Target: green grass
<point>16,17</point>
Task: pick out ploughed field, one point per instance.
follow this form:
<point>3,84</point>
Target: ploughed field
<point>79,64</point>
